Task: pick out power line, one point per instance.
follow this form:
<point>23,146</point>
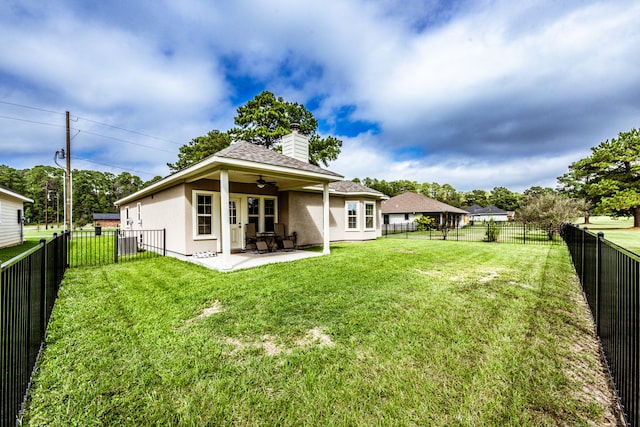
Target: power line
<point>83,118</point>
<point>31,108</point>
<point>114,166</point>
<point>87,132</point>
<point>130,131</point>
<point>31,121</point>
<point>122,140</point>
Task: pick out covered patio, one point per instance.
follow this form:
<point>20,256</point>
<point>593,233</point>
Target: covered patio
<point>239,261</point>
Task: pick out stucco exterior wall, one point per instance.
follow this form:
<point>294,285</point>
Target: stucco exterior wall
<point>302,213</point>
<point>164,210</point>
<point>10,229</point>
<point>172,209</point>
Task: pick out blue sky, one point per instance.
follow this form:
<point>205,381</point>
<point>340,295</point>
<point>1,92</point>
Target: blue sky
<point>476,94</point>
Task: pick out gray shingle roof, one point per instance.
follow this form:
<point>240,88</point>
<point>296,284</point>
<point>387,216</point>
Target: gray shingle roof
<point>416,203</point>
<point>477,210</point>
<point>353,187</point>
<point>106,217</point>
<point>254,153</point>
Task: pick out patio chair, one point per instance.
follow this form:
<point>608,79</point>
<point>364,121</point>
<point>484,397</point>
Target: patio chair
<point>251,238</point>
<point>283,241</point>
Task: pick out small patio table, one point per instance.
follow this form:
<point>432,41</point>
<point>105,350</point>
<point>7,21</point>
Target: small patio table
<point>268,237</point>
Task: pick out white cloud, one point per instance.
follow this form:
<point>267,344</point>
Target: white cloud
<point>485,89</point>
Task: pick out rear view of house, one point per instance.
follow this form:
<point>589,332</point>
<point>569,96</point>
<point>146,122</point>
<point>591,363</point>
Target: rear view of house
<point>11,217</point>
<point>208,206</point>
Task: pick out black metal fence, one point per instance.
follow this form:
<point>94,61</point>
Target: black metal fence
<point>610,279</point>
<point>29,286</point>
<point>28,290</point>
<point>101,247</point>
<point>499,232</point>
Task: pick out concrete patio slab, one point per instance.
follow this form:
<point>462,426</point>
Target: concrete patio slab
<point>250,260</point>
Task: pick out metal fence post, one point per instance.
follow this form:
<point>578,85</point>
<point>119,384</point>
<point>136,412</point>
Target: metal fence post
<point>164,242</point>
<point>584,232</point>
<point>598,279</point>
<point>115,245</point>
<point>43,289</point>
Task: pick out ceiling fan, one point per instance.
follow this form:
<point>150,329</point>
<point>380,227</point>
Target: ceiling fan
<point>261,182</point>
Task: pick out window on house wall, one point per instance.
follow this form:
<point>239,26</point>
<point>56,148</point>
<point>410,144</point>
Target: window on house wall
<point>352,215</point>
<point>369,215</point>
<point>253,211</point>
<point>204,214</point>
<point>139,212</point>
<point>269,214</point>
<point>406,217</point>
<point>127,221</point>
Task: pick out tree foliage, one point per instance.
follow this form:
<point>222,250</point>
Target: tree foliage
<point>504,198</point>
<point>93,191</point>
<point>609,177</point>
<point>265,119</point>
<point>200,148</point>
<point>550,210</point>
<point>476,197</point>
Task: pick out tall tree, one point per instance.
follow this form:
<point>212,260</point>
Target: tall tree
<point>610,176</point>
<point>476,197</point>
<point>199,148</point>
<point>504,198</point>
<point>41,184</point>
<point>125,184</point>
<point>549,210</point>
<point>265,119</point>
<point>11,178</point>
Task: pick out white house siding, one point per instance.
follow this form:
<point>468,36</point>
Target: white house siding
<point>10,228</point>
<point>401,218</point>
<point>488,217</point>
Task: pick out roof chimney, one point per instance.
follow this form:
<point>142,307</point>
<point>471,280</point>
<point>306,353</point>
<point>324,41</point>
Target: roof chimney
<point>295,144</point>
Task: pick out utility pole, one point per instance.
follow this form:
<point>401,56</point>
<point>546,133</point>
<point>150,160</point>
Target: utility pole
<point>46,205</point>
<point>67,182</point>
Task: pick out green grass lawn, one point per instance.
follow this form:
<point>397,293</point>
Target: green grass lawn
<point>13,251</point>
<point>391,332</point>
<point>617,230</point>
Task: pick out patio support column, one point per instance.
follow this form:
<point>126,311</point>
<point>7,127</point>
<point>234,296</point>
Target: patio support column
<point>224,219</point>
<point>325,219</point>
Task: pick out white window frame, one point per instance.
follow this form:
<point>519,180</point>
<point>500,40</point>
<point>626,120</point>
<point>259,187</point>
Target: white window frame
<point>127,220</point>
<point>194,212</point>
<point>372,216</point>
<point>264,212</point>
<point>347,216</point>
<point>139,212</point>
<point>261,224</point>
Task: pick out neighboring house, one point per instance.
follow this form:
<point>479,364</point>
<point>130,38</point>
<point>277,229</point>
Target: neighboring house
<point>205,207</point>
<point>106,219</point>
<point>480,214</point>
<point>408,206</point>
<point>11,217</point>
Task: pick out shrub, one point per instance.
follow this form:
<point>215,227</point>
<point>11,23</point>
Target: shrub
<point>493,231</point>
<point>424,223</point>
